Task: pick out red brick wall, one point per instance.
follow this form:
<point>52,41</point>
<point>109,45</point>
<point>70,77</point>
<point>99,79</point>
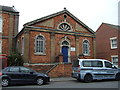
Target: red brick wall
<point>5,31</point>
<point>103,48</point>
<point>61,70</point>
<point>39,58</point>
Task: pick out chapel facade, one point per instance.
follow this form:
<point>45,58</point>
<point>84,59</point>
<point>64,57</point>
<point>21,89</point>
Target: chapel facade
<point>50,44</point>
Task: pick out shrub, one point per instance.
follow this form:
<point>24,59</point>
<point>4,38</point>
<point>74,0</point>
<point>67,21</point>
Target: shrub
<point>15,59</point>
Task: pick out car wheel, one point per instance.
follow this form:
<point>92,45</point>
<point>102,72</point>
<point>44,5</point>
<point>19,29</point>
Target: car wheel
<point>88,78</point>
<point>5,82</point>
<point>40,81</point>
<point>117,77</point>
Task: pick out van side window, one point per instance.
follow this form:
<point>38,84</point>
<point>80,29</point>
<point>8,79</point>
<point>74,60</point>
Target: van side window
<point>108,64</point>
<point>92,64</point>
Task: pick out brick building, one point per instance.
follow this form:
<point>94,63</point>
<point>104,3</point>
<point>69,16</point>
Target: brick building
<point>48,44</point>
<point>107,42</point>
<point>9,18</point>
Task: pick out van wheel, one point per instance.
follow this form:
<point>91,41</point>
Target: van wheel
<point>117,77</point>
<point>88,78</point>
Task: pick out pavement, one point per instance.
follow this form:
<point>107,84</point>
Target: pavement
<point>61,79</point>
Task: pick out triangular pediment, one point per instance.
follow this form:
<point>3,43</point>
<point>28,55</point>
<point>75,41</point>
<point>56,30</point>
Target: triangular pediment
<point>49,21</point>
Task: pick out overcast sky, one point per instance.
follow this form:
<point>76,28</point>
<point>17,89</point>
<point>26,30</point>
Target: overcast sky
<point>90,12</point>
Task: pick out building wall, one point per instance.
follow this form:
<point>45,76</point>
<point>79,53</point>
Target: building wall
<point>103,46</point>
<point>9,30</point>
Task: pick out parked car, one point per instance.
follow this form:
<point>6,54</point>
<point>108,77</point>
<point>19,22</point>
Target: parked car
<point>94,69</point>
<point>22,75</point>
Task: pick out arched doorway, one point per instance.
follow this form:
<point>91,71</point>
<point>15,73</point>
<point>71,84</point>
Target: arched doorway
<point>65,51</point>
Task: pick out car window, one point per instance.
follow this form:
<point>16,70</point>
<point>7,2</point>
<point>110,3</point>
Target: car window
<point>97,64</point>
<point>14,69</point>
<point>25,70</point>
<point>108,64</point>
<point>92,64</point>
<point>5,70</point>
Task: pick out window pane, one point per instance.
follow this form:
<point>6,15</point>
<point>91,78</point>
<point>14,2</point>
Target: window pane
<point>108,65</point>
<point>14,69</point>
<point>0,24</point>
<point>86,47</point>
<point>40,44</point>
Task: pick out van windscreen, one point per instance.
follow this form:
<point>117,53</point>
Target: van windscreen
<point>75,63</point>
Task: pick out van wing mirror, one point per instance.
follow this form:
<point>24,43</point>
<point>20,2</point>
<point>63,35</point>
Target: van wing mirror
<point>114,67</point>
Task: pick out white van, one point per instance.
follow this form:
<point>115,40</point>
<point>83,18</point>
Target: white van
<point>94,69</point>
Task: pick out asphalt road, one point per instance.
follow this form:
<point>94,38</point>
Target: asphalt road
<point>72,83</point>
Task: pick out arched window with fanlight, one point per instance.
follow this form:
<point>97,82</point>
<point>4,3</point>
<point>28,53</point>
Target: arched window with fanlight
<point>86,47</point>
<point>40,45</point>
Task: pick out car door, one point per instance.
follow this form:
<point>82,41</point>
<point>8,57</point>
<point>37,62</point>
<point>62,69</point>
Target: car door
<point>98,69</point>
<point>14,74</point>
<point>109,70</point>
<point>27,74</point>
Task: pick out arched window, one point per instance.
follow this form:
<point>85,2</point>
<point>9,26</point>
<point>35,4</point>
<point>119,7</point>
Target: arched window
<point>22,45</point>
<point>86,47</point>
<point>40,45</point>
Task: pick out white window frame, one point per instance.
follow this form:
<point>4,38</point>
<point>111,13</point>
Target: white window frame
<point>114,56</point>
<point>112,44</point>
<point>41,46</point>
<point>1,23</point>
<point>0,46</point>
<point>86,53</point>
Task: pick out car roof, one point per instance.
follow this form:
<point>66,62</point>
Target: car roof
<point>92,60</point>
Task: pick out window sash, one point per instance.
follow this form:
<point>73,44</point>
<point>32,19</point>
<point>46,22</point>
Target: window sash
<point>113,42</point>
<point>85,48</point>
<point>39,45</point>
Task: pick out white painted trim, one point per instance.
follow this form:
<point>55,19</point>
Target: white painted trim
<point>36,53</point>
<point>89,47</point>
<point>113,38</point>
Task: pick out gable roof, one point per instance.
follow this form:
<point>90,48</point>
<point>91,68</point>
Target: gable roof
<point>113,26</point>
<point>56,14</point>
<point>8,9</point>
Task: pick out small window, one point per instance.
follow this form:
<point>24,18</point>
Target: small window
<point>108,64</point>
<point>115,60</point>
<point>113,42</point>
<point>1,24</point>
<point>14,69</point>
<point>86,47</point>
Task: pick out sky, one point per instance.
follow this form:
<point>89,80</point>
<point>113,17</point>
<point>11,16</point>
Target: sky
<point>91,12</point>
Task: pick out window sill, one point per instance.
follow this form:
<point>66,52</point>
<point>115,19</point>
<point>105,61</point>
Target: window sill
<point>40,54</point>
<point>86,54</point>
<point>114,48</point>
